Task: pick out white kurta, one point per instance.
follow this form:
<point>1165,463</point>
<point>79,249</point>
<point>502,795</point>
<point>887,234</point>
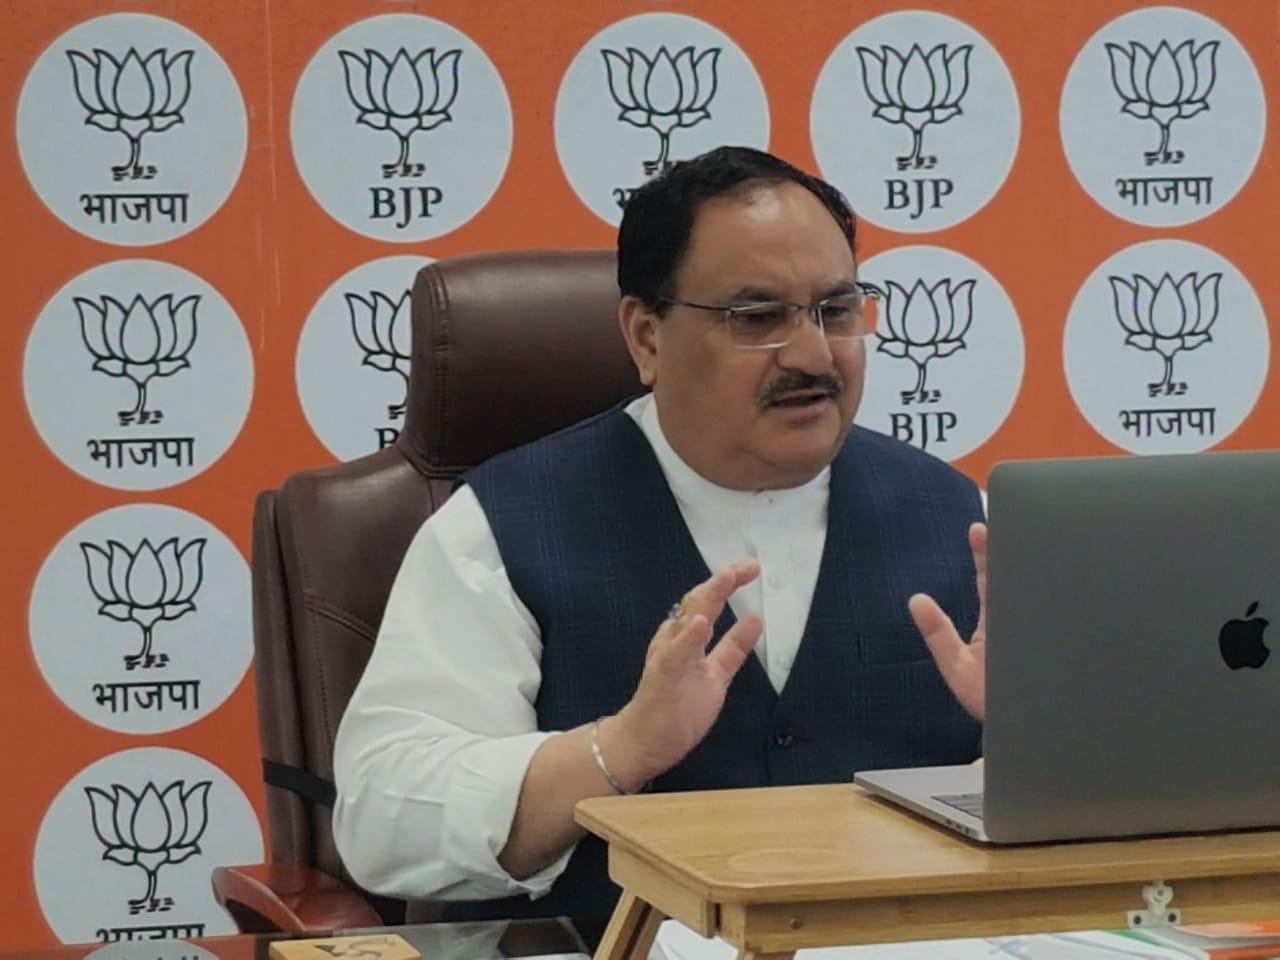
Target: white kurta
<point>433,748</point>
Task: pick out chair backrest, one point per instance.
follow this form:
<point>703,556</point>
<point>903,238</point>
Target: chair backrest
<point>507,347</point>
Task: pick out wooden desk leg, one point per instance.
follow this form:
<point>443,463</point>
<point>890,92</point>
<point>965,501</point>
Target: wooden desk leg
<point>631,930</point>
<point>745,954</point>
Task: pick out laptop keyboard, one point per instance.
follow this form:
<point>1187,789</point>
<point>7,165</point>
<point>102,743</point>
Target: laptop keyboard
<point>970,803</point>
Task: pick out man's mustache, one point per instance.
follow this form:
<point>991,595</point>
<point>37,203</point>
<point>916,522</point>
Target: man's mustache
<point>795,380</point>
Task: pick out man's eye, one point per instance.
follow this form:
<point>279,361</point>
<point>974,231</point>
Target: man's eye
<point>760,315</point>
<point>842,309</point>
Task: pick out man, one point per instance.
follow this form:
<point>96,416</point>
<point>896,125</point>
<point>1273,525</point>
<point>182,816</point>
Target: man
<point>547,637</point>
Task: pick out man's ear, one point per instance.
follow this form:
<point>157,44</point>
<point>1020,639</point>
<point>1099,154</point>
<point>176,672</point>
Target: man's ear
<point>640,329</point>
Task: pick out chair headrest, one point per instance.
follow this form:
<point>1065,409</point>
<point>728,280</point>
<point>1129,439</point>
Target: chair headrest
<point>509,347</point>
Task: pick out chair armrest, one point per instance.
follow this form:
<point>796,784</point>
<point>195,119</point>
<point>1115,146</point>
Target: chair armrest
<point>290,898</point>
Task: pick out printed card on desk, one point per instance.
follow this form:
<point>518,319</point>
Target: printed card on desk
<point>379,946</point>
<point>1218,941</point>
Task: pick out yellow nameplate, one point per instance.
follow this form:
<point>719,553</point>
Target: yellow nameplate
<point>377,946</point>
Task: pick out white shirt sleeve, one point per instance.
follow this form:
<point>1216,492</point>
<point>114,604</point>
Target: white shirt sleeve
<point>433,748</point>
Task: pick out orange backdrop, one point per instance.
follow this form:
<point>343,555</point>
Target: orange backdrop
<point>271,250</point>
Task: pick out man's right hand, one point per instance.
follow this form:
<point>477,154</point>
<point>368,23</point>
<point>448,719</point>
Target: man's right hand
<point>683,687</point>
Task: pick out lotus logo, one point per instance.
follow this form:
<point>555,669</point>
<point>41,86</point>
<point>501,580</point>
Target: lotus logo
<point>145,586</point>
<point>1166,318</point>
<point>916,90</point>
<point>662,92</point>
<point>133,96</point>
<point>150,830</point>
<point>923,324</point>
<point>405,95</point>
<point>381,328</point>
<point>1168,85</point>
<point>139,342</point>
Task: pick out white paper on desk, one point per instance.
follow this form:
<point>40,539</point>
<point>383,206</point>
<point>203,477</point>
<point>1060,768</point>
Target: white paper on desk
<point>675,941</point>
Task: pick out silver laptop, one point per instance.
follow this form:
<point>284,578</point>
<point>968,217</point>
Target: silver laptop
<point>1131,684</point>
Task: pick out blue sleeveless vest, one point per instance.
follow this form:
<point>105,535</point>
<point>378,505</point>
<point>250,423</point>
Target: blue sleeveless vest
<point>595,547</point>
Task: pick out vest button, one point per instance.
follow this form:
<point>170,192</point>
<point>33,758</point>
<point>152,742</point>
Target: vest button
<point>783,739</point>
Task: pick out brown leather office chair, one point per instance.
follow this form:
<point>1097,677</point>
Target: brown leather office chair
<point>507,347</point>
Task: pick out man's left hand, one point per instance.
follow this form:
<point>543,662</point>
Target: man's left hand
<point>963,665</point>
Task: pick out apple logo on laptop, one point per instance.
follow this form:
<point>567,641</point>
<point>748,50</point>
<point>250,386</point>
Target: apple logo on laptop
<point>1241,641</point>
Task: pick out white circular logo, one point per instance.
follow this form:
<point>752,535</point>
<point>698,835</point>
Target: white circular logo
<point>140,619</point>
<point>126,848</point>
<point>1162,116</point>
<point>1166,348</point>
<point>111,118</point>
<point>915,119</point>
<point>645,92</point>
<point>945,363</point>
<point>138,375</point>
<point>401,128</point>
<point>353,357</point>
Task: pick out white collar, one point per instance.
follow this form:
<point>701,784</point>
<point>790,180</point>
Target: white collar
<point>692,489</point>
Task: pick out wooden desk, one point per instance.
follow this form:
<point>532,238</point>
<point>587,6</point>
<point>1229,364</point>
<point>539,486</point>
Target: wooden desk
<point>773,870</point>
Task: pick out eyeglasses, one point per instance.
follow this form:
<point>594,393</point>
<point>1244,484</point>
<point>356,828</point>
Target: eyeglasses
<point>769,324</point>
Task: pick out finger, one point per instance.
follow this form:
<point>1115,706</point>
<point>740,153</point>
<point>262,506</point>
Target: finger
<point>666,637</point>
<point>978,544</point>
<point>706,600</point>
<point>710,596</point>
<point>960,664</point>
<point>745,571</point>
<point>672,632</point>
<point>939,633</point>
<point>738,575</point>
<point>686,647</point>
<point>735,646</point>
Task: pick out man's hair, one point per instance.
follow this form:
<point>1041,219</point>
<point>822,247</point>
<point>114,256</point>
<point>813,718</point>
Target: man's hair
<point>659,217</point>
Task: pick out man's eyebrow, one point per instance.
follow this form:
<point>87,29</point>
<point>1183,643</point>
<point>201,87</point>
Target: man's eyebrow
<point>755,294</point>
<point>840,287</point>
<point>751,294</point>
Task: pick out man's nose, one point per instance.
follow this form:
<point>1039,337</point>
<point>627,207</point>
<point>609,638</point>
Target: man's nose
<point>808,348</point>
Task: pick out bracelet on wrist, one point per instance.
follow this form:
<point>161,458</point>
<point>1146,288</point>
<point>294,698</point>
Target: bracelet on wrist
<point>604,768</point>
